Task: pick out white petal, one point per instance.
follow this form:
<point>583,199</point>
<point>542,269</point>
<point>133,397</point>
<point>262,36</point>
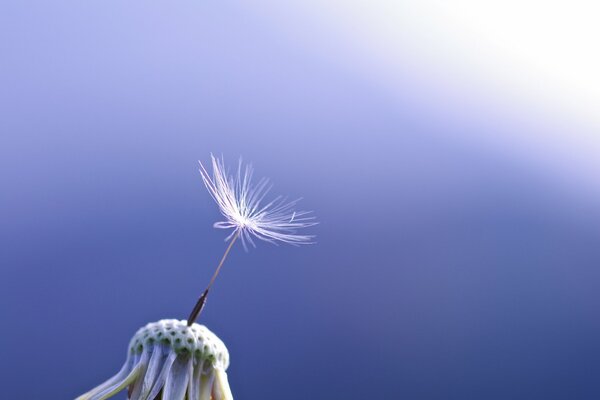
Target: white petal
<point>117,387</point>
<point>206,383</point>
<point>191,385</point>
<point>125,369</point>
<point>221,388</point>
<point>194,387</point>
<point>177,380</point>
<point>143,386</point>
<point>162,377</point>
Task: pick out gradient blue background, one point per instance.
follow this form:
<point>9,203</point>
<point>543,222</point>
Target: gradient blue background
<point>458,248</point>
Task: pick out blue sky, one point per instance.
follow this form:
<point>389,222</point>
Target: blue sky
<point>448,150</point>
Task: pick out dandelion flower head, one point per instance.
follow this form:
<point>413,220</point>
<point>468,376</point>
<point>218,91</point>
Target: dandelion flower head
<point>170,360</point>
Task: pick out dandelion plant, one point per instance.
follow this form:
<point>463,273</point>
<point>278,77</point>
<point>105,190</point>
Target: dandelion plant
<point>240,203</point>
<point>183,360</point>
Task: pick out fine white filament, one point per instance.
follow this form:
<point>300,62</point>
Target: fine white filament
<point>240,202</point>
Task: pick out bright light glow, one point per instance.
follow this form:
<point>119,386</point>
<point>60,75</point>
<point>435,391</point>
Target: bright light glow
<point>530,63</point>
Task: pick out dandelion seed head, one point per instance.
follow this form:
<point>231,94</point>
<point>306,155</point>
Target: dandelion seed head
<point>242,204</point>
<point>170,360</point>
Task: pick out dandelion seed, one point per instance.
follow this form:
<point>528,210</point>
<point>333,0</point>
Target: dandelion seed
<point>177,360</point>
<point>240,202</point>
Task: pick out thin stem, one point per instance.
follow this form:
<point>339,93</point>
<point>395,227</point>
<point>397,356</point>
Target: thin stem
<point>212,280</point>
<point>202,299</point>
